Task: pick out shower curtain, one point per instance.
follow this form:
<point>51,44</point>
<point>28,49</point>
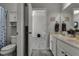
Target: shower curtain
<point>2,27</point>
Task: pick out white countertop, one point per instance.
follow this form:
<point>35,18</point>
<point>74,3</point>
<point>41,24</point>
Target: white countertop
<point>69,40</point>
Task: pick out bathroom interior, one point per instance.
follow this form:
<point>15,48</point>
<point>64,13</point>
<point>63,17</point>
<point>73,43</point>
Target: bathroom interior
<point>39,29</point>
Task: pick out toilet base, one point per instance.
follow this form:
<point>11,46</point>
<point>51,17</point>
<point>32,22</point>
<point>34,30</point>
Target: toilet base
<point>9,54</point>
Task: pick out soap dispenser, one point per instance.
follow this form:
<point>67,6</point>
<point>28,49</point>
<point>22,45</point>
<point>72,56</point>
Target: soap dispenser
<point>63,26</point>
<point>56,27</point>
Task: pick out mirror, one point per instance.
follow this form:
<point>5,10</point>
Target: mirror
<point>76,17</point>
<point>75,24</point>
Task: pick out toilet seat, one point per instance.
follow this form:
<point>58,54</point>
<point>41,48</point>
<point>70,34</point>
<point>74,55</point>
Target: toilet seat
<point>8,47</point>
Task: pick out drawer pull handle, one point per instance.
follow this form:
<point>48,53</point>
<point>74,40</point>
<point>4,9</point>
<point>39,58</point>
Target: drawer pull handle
<point>66,55</point>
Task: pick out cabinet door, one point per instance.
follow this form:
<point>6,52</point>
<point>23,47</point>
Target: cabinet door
<point>69,49</point>
<point>53,45</point>
<point>60,52</point>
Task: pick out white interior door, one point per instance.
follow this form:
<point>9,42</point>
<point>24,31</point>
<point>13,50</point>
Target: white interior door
<point>39,26</point>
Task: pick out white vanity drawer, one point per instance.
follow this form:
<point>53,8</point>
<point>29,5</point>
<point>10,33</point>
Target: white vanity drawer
<point>67,48</point>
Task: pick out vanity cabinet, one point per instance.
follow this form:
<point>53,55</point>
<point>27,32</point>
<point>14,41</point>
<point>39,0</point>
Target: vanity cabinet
<point>60,47</point>
<point>66,49</point>
<point>60,52</point>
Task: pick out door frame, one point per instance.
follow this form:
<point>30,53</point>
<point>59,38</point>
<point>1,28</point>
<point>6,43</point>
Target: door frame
<point>20,29</point>
<point>29,27</point>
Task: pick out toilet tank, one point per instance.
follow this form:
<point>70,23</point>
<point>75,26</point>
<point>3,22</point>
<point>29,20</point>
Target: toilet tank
<point>13,39</point>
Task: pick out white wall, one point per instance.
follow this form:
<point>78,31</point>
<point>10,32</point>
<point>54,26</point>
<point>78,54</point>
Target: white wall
<point>26,15</point>
<point>68,23</point>
<point>9,6</point>
<point>54,10</point>
<point>65,5</point>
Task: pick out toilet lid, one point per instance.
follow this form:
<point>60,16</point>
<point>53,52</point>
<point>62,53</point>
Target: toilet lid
<point>8,47</point>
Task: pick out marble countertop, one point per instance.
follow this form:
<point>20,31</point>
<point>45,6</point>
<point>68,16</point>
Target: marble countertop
<point>73,41</point>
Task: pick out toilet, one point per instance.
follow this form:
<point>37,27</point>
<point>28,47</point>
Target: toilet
<point>9,49</point>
